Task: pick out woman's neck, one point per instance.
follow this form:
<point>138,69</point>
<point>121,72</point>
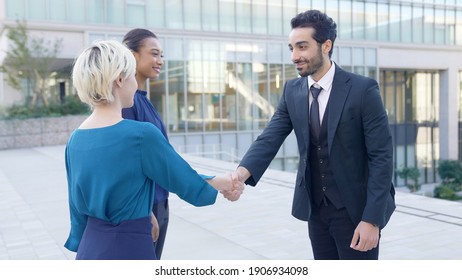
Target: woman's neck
<point>141,82</point>
<point>103,115</point>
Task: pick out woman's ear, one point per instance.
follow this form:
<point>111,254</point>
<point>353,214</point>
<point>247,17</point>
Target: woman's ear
<point>119,81</point>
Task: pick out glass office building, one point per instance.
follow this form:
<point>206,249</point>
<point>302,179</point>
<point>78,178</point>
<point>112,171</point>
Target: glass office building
<point>226,62</point>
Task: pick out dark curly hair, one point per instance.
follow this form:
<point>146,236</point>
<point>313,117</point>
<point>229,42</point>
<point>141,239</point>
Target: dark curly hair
<point>324,26</point>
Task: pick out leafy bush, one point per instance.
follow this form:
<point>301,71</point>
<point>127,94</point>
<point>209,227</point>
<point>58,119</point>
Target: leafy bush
<point>71,106</point>
<point>411,175</point>
<point>450,172</point>
<point>447,191</point>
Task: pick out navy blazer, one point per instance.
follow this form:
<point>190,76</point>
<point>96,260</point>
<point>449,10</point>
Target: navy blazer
<point>359,144</point>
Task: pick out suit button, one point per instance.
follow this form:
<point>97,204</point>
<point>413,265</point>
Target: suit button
<point>319,148</point>
<point>321,161</point>
<point>323,175</point>
<point>323,189</point>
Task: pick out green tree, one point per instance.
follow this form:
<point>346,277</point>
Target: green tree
<point>29,58</point>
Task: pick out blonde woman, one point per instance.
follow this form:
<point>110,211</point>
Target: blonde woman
<point>112,163</point>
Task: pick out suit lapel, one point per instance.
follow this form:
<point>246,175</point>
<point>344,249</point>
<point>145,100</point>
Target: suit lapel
<point>341,87</point>
<point>301,105</point>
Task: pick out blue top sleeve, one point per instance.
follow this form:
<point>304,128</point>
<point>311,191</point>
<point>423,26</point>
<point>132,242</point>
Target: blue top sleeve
<point>177,176</point>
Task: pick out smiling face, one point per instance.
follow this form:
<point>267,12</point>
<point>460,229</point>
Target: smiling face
<point>149,60</point>
<point>310,57</point>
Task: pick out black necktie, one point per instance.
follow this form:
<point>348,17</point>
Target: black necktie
<point>314,111</point>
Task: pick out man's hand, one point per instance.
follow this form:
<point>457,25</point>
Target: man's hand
<point>365,237</point>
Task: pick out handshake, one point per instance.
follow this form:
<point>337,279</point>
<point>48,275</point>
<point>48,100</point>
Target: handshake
<point>231,185</point>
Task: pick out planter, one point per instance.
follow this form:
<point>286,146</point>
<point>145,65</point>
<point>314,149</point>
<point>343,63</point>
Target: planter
<point>37,132</point>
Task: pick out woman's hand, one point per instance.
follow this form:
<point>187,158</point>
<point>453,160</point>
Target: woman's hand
<point>155,228</point>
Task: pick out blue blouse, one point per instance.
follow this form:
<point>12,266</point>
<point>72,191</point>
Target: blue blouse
<point>111,171</point>
<point>143,111</point>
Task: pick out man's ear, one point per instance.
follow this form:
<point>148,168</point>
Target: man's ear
<point>327,46</point>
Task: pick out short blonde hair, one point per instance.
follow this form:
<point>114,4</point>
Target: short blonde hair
<point>98,67</point>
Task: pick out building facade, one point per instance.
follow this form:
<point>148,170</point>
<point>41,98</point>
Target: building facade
<point>226,62</point>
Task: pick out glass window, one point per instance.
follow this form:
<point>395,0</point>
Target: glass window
<point>450,27</point>
<point>243,16</point>
<point>177,110</point>
<point>263,109</point>
<point>289,10</point>
<point>417,24</point>
<point>302,5</point>
<point>459,27</point>
<point>192,15</point>
<point>276,85</point>
<point>371,57</point>
<point>318,5</point>
<point>227,16</point>
<point>244,95</point>
<point>174,14</point>
<point>290,72</point>
<point>136,15</point>
<point>230,97</point>
<point>155,13</point>
<point>275,22</point>
<point>406,24</point>
<point>94,8</point>
<point>358,56</point>
<point>345,20</point>
<point>429,26</point>
<point>57,10</point>
<point>195,89</point>
<point>259,17</point>
<point>96,36</point>
<point>76,11</point>
<point>115,12</point>
<point>209,15</point>
<point>275,51</point>
<point>36,9</point>
<point>371,21</point>
<point>394,23</point>
<point>15,9</point>
<point>213,84</point>
<point>358,20</point>
<point>382,22</point>
<point>345,56</point>
<point>440,26</point>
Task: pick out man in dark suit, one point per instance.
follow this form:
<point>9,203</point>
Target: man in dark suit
<point>344,182</point>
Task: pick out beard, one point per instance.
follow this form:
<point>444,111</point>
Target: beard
<point>311,66</point>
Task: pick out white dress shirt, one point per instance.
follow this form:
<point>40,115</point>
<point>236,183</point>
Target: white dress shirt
<point>326,83</point>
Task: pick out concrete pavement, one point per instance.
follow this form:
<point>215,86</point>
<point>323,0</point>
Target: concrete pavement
<point>34,217</point>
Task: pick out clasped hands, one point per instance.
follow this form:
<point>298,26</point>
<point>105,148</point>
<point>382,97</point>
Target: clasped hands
<point>229,185</point>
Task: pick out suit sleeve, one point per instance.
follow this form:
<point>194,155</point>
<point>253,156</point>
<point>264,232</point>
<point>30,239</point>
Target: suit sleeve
<point>167,168</point>
<point>265,147</point>
<point>379,147</point>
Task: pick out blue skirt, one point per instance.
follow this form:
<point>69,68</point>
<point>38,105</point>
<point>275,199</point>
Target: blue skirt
<point>129,240</point>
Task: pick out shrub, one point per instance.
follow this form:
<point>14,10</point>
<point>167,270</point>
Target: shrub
<point>70,106</point>
<point>411,175</point>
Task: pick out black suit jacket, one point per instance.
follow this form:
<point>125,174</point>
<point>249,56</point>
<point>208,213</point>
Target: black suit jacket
<point>359,144</point>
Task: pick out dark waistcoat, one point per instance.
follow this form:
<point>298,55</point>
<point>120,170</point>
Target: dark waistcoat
<point>322,180</point>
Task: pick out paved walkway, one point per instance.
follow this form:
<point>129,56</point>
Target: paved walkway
<point>34,218</point>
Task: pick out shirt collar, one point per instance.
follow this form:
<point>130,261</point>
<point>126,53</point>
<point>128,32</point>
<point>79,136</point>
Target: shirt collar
<point>326,81</point>
<point>142,92</point>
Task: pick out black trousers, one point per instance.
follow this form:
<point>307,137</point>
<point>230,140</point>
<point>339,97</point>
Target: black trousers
<point>161,211</point>
<point>331,231</point>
